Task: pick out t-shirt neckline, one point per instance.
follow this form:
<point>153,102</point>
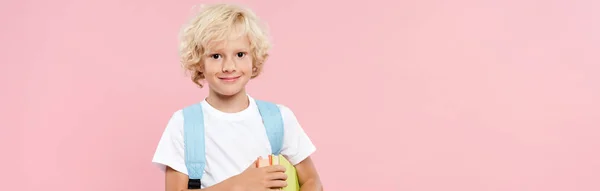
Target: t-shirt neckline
<point>241,115</point>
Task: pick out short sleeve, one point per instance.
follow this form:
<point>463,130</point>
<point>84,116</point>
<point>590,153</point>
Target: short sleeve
<point>170,149</point>
<point>297,146</point>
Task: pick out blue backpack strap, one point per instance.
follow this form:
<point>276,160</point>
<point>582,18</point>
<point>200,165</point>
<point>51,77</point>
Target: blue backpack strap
<point>271,117</point>
<point>193,130</point>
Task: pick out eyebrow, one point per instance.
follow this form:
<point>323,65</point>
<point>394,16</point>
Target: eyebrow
<point>221,51</point>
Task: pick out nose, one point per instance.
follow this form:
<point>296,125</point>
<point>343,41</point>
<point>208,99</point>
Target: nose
<point>228,65</point>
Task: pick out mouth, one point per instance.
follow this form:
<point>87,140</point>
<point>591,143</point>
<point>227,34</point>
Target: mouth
<point>229,79</point>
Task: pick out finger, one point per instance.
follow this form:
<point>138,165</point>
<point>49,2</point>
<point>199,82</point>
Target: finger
<point>275,168</point>
<point>276,184</point>
<point>277,176</point>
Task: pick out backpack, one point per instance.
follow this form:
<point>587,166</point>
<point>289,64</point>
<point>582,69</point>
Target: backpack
<point>193,130</point>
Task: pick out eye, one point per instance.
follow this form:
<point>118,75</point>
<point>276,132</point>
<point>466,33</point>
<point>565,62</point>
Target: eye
<point>241,54</point>
<point>215,56</point>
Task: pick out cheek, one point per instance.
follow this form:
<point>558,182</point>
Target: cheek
<point>246,65</point>
<point>211,67</point>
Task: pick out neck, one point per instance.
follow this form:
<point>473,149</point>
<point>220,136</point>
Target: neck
<point>228,103</point>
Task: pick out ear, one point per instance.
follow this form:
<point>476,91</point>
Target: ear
<point>200,69</point>
<point>255,70</point>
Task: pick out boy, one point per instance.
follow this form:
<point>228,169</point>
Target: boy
<point>225,46</point>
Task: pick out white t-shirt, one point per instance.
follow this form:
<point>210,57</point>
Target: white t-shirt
<point>233,142</point>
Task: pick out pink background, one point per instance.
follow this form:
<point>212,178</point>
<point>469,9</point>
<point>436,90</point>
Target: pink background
<point>397,95</point>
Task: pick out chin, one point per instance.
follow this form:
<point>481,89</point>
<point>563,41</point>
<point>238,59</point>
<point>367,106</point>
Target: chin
<point>228,92</point>
<point>228,88</point>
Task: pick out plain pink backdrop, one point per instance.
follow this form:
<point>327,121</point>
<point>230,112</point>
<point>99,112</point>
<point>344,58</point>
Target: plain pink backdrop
<point>418,95</point>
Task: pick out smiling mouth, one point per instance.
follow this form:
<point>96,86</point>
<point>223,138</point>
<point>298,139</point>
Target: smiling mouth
<point>229,79</point>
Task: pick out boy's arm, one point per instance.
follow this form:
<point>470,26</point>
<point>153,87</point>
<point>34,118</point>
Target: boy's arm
<point>308,177</point>
<point>251,179</point>
<point>177,181</point>
<point>298,148</point>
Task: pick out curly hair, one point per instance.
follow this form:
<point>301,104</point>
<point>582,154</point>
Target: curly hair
<point>214,23</point>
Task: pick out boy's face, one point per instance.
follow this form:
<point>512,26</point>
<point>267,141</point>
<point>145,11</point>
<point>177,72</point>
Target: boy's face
<point>228,66</point>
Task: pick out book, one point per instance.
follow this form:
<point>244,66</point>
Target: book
<point>268,161</point>
<point>292,180</point>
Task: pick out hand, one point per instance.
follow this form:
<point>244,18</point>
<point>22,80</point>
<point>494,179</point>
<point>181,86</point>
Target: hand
<point>260,179</point>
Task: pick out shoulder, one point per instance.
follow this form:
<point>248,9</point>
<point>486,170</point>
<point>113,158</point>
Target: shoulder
<point>285,111</point>
<point>174,128</point>
<point>176,119</point>
<point>287,115</point>
<point>190,107</point>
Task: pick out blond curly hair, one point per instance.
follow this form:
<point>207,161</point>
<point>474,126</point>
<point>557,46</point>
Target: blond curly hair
<point>214,23</point>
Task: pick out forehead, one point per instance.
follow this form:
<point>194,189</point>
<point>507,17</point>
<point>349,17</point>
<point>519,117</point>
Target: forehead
<point>232,42</point>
